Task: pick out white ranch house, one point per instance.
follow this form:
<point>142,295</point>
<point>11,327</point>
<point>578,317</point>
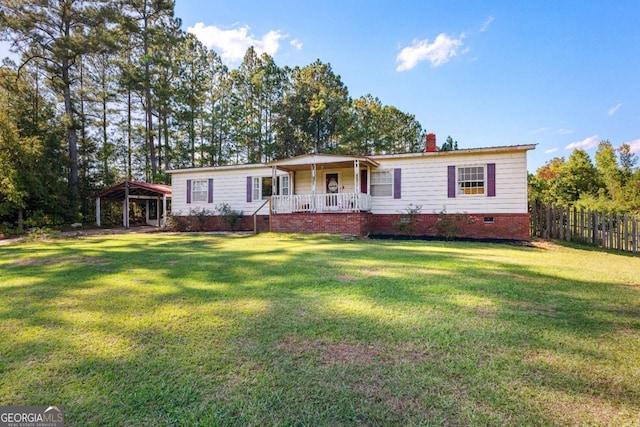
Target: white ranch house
<point>367,195</point>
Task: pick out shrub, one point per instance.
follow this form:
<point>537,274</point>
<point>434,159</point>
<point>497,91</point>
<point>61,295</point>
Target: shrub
<point>39,219</point>
<point>229,216</point>
<point>409,218</point>
<point>449,226</point>
<point>195,220</point>
<point>41,233</point>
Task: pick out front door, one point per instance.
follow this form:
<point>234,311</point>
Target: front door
<point>332,183</point>
<point>331,188</point>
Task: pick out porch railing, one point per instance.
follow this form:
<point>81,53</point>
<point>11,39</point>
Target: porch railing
<point>333,202</point>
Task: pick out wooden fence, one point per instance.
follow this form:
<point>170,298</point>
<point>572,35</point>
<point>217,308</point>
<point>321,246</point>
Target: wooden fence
<point>605,229</point>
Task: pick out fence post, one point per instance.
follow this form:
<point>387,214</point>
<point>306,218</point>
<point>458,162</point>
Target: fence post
<point>611,231</point>
<point>596,228</point>
<point>634,231</point>
<point>618,232</point>
<point>625,231</point>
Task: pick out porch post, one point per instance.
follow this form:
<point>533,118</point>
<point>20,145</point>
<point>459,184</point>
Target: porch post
<point>274,181</point>
<point>313,187</point>
<point>356,184</point>
<point>98,211</point>
<point>158,212</point>
<point>164,211</point>
<point>125,208</point>
<point>292,179</point>
<point>147,212</point>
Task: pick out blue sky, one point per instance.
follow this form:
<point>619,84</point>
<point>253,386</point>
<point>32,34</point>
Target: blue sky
<point>559,74</point>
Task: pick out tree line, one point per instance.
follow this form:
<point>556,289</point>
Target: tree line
<point>105,91</point>
<point>612,184</point>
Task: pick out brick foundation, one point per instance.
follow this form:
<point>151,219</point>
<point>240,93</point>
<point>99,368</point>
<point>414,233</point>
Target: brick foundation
<point>356,223</point>
<point>475,226</point>
<point>215,223</point>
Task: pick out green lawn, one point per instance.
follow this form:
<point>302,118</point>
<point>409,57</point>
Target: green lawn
<point>163,329</point>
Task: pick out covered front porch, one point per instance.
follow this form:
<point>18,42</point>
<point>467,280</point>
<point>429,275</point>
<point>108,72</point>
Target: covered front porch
<point>322,183</point>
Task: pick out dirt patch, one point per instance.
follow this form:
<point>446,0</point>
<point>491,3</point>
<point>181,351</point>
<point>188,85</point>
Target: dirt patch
<point>486,311</point>
<point>374,272</point>
<point>359,354</point>
<point>534,309</point>
<point>544,244</point>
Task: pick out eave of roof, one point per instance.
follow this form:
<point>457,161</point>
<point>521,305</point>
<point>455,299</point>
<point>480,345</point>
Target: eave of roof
<point>298,162</point>
<point>219,168</point>
<point>306,160</point>
<point>484,150</point>
<point>134,187</point>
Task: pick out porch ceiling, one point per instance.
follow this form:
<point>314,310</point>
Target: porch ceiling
<point>322,161</point>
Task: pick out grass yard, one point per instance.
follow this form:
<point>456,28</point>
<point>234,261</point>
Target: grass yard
<point>185,330</point>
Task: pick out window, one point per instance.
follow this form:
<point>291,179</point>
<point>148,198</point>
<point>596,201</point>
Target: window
<point>381,184</point>
<point>471,180</point>
<point>199,190</point>
<point>263,186</point>
<point>283,185</point>
<point>257,195</point>
<point>267,187</point>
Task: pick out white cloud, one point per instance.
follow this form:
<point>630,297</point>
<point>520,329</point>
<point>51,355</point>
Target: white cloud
<point>233,44</point>
<point>551,150</point>
<point>563,131</point>
<point>486,24</point>
<point>613,110</point>
<point>585,144</point>
<point>439,52</point>
<point>635,145</point>
<point>297,44</point>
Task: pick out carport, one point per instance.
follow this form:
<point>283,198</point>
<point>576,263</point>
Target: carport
<point>132,191</point>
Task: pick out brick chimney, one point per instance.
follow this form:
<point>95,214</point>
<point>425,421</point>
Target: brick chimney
<point>431,143</point>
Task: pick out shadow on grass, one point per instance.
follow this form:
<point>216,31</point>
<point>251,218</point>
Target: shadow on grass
<point>254,330</point>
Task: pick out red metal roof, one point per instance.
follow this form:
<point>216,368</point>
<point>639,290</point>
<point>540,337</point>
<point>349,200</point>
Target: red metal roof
<point>135,188</point>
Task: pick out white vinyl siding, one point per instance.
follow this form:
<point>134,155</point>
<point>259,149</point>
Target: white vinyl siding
<point>230,187</point>
<point>424,182</point>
